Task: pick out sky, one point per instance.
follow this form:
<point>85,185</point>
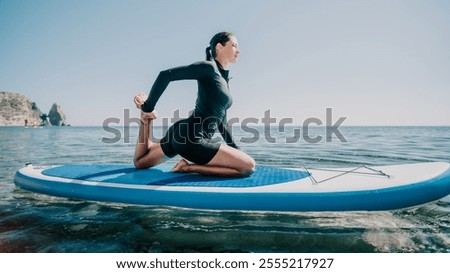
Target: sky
<point>373,62</point>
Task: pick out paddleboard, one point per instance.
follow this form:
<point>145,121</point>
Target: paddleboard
<point>267,189</point>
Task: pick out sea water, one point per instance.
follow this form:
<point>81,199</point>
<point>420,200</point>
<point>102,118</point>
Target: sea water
<point>31,222</point>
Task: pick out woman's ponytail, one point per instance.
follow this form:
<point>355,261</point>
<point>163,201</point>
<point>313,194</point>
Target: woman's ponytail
<point>208,54</point>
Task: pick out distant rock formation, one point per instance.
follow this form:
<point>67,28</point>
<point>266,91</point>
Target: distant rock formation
<point>56,116</point>
<point>18,110</point>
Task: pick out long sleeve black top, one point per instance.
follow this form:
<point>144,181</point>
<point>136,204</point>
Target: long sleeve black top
<point>213,97</point>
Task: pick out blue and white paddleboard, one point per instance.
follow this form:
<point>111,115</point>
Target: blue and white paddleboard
<point>268,189</point>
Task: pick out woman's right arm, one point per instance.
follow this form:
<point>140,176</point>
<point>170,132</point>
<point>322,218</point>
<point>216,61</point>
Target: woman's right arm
<point>194,71</point>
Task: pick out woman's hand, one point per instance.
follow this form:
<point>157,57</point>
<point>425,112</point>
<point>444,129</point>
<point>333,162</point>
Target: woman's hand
<point>146,118</point>
<point>139,99</point>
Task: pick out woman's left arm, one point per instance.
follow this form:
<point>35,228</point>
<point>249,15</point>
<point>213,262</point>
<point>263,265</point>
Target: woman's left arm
<point>225,132</point>
<point>190,72</point>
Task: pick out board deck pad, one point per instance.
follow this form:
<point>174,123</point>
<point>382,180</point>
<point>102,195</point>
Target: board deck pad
<point>163,176</point>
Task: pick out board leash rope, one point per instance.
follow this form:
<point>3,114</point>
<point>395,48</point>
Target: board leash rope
<point>342,173</point>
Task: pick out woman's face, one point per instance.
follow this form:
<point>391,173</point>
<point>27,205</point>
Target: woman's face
<point>230,51</point>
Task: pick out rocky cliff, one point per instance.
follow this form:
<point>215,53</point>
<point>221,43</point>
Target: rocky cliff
<point>18,110</point>
<point>56,116</point>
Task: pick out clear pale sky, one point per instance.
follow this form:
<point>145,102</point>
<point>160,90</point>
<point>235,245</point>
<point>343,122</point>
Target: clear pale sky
<point>374,62</point>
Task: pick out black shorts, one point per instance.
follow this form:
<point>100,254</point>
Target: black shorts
<point>189,140</point>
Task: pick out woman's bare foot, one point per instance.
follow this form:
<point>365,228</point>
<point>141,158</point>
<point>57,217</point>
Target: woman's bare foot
<point>181,166</point>
<point>139,99</point>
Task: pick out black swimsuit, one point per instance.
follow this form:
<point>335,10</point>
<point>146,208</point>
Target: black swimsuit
<point>191,137</point>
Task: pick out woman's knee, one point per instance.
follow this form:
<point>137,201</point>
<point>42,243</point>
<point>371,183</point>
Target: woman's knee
<point>153,157</point>
<point>141,164</point>
<point>247,167</point>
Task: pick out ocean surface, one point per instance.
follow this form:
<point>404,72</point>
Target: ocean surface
<point>31,222</point>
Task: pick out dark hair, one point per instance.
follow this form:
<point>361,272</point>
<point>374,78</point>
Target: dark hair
<point>222,38</point>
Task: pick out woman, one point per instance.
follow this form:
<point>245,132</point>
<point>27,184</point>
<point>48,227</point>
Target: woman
<point>191,137</point>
